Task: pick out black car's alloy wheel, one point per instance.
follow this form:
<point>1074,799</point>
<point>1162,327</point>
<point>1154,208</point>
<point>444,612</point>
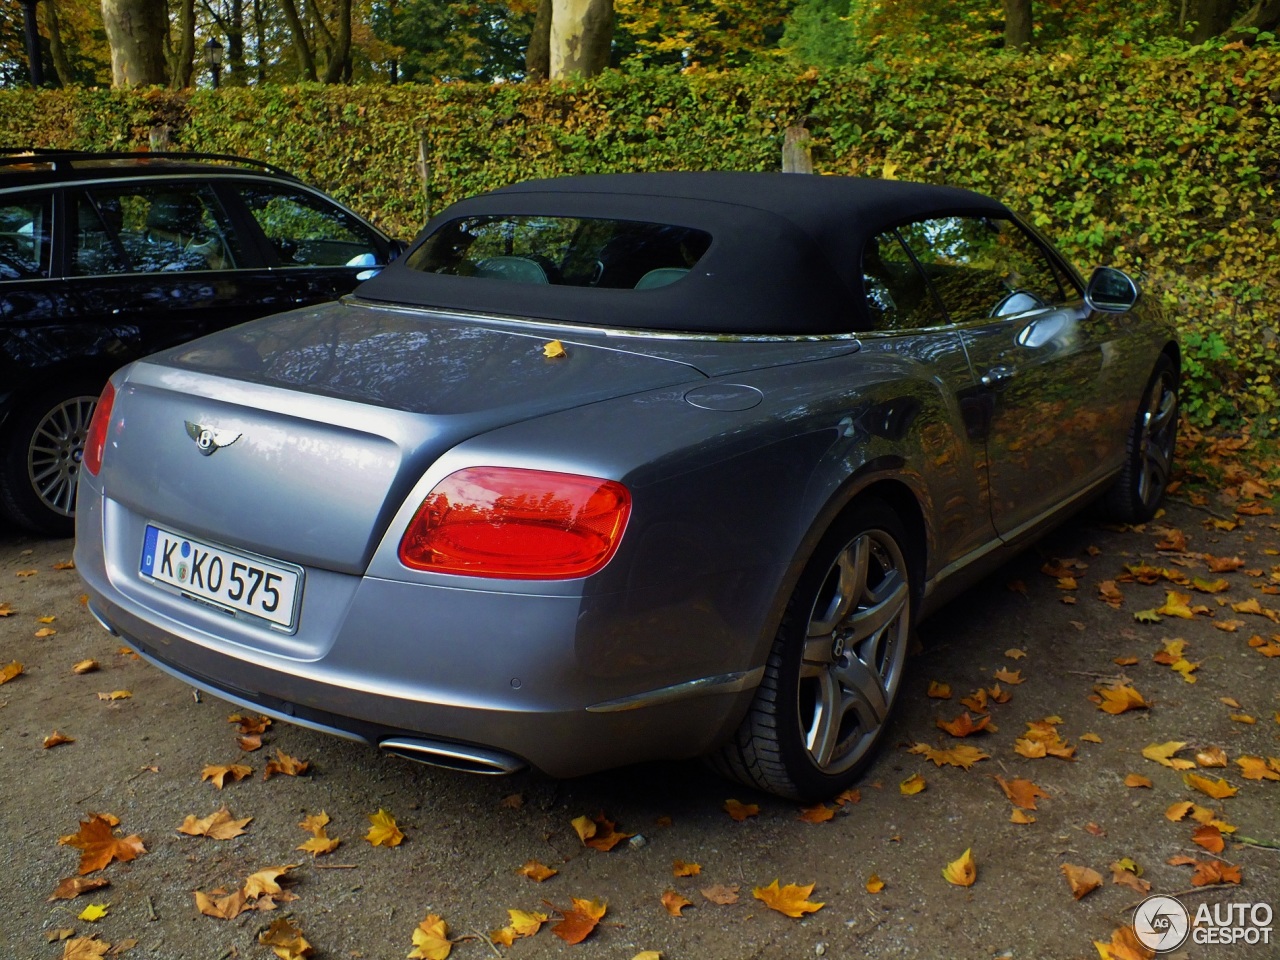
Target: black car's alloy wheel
<point>836,665</point>
<point>1149,454</point>
<point>41,472</point>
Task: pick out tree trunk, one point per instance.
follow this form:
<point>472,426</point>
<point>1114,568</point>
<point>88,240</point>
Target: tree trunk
<point>1263,15</point>
<point>339,46</point>
<point>235,45</point>
<point>57,52</point>
<point>1017,24</point>
<point>183,63</point>
<point>581,37</point>
<point>306,60</point>
<point>537,59</point>
<point>1210,18</point>
<point>259,33</point>
<point>136,32</point>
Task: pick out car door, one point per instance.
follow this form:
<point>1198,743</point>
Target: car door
<point>908,322</point>
<point>317,249</point>
<point>159,263</point>
<point>1044,364</point>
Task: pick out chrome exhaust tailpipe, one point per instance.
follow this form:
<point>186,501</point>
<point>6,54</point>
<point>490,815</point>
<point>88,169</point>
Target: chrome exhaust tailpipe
<point>453,756</point>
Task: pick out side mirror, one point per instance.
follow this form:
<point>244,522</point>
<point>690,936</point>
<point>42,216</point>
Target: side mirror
<point>1111,291</point>
<point>395,249</point>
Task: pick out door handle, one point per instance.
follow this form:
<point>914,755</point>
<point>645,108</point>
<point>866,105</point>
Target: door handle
<point>997,378</point>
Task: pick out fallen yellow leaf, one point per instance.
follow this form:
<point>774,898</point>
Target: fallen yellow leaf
<point>962,871</point>
<point>1082,879</point>
<point>384,832</point>
<point>791,900</point>
<point>1218,789</point>
<point>431,939</point>
<point>912,785</point>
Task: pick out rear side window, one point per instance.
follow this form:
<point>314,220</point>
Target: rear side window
<point>153,228</point>
<point>25,235</point>
<point>567,251</point>
<point>306,231</point>
<point>898,296</point>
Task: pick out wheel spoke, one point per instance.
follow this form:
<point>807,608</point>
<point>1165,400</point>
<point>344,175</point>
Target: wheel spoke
<point>822,734</point>
<point>887,601</point>
<point>851,581</point>
<point>865,689</point>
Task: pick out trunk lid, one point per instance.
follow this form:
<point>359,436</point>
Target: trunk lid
<point>324,419</point>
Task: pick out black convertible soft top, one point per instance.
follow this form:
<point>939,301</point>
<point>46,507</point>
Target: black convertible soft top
<point>785,256</point>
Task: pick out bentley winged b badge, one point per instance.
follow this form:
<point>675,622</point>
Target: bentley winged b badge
<point>209,440</point>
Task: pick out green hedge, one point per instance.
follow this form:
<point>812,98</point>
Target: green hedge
<point>1163,165</point>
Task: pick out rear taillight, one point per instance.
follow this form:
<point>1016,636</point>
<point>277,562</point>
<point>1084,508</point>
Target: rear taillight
<point>517,524</point>
<point>95,441</point>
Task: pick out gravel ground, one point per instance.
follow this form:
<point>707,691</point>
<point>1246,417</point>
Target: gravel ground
<point>141,759</point>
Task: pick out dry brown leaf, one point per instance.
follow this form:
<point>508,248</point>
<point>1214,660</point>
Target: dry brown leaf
<point>674,903</point>
<point>1090,738</point>
<point>6,610</point>
<point>1117,700</point>
<point>285,764</point>
<point>74,886</point>
<point>977,701</point>
<point>1128,874</point>
<point>721,894</point>
<point>320,843</point>
<point>246,725</point>
<point>1020,816</point>
<point>383,832</point>
<point>99,845</point>
<point>963,725</point>
<point>1124,661</point>
<point>681,869</point>
<point>1110,594</point>
<point>1137,780</point>
<point>44,632</point>
<point>57,739</point>
<point>912,785</point>
<point>285,940</point>
<point>1163,753</point>
<point>1211,757</point>
<point>791,900</point>
<point>852,795</point>
<point>1218,789</point>
<point>431,939</point>
<point>1011,677</point>
<point>219,774</point>
<point>1209,837</point>
<point>604,837</point>
<point>1083,880</point>
<point>939,691</point>
<point>218,825</point>
<point>1255,768</point>
<point>263,882</point>
<point>250,743</point>
<point>576,923</point>
<point>1209,872</point>
<point>819,813</point>
<point>1021,793</point>
<point>222,906</point>
<point>741,811</point>
<point>1124,945</point>
<point>85,948</point>
<point>536,871</point>
<point>513,801</point>
<point>963,755</point>
<point>962,871</point>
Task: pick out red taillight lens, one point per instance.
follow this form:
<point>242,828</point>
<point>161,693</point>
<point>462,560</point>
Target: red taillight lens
<point>517,524</point>
<point>95,441</point>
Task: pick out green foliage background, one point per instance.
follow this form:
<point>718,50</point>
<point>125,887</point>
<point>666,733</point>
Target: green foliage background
<point>1165,165</point>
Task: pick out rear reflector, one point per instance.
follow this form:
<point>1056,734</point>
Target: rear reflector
<point>95,440</point>
<point>518,524</point>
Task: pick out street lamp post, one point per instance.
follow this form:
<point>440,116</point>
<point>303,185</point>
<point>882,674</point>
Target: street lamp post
<point>213,53</point>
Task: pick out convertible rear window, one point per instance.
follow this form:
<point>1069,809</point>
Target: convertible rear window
<point>563,251</point>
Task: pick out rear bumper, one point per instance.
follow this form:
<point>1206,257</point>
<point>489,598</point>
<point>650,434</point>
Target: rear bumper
<point>492,680</point>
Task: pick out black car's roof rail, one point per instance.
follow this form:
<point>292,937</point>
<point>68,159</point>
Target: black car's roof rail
<point>13,156</point>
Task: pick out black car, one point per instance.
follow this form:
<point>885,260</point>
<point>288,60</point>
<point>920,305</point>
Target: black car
<point>107,257</point>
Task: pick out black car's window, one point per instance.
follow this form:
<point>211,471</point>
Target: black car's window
<point>898,296</point>
<point>307,231</point>
<point>151,228</point>
<point>571,251</point>
<point>24,235</point>
<point>983,267</point>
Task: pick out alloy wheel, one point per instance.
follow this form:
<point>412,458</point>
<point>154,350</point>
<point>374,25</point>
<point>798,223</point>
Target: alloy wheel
<point>55,451</point>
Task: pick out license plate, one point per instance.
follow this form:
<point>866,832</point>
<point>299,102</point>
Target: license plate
<point>237,582</point>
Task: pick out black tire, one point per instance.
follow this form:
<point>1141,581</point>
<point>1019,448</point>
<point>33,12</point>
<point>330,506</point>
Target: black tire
<point>836,665</point>
<point>42,453</point>
<point>1148,465</point>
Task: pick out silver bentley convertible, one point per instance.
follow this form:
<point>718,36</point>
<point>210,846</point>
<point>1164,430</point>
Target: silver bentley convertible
<point>613,468</point>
